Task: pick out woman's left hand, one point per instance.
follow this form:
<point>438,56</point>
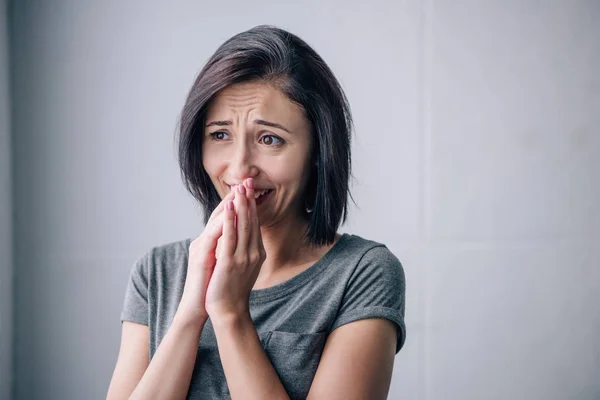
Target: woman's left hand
<point>240,256</point>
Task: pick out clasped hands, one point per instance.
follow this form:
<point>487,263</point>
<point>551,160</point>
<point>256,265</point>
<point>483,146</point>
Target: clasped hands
<point>225,260</point>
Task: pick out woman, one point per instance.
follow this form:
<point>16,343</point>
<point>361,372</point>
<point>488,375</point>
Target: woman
<point>269,302</point>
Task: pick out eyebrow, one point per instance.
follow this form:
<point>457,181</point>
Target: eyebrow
<point>256,122</point>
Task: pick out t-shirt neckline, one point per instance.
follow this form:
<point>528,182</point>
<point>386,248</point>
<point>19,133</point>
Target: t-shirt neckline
<point>283,288</point>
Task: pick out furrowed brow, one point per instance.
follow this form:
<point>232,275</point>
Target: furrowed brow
<point>271,124</point>
<point>218,123</point>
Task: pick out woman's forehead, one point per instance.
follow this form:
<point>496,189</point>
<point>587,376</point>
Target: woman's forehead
<point>256,100</point>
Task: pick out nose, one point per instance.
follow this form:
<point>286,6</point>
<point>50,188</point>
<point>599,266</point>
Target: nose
<point>242,164</point>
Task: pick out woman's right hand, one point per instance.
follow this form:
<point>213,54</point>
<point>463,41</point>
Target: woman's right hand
<point>201,263</point>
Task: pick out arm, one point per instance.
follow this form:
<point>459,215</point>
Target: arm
<point>169,373</point>
<point>247,368</point>
<point>132,360</point>
<point>357,361</point>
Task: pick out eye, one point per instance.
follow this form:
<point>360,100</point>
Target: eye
<point>219,135</point>
<point>272,140</point>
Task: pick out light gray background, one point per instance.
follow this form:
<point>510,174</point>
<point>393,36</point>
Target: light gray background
<point>477,163</point>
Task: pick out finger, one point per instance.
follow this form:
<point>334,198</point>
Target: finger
<point>252,214</point>
<point>229,234</point>
<point>221,206</point>
<point>243,224</point>
<point>214,228</point>
<point>207,243</point>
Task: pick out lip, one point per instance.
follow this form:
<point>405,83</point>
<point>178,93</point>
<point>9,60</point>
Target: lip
<point>262,198</point>
<point>256,189</point>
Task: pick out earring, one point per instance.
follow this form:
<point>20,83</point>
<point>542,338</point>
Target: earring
<point>308,208</point>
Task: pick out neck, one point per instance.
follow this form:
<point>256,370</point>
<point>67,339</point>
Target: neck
<point>284,245</point>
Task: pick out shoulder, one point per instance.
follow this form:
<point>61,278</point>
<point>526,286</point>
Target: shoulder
<point>373,255</point>
<point>374,288</point>
<point>172,249</point>
<point>164,255</point>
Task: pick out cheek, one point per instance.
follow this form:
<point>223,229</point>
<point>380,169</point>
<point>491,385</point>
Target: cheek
<point>211,161</point>
<point>208,166</point>
<point>293,174</point>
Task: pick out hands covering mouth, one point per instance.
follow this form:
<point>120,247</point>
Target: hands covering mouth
<point>257,192</point>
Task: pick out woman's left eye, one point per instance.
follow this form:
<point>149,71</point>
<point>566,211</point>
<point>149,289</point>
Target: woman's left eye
<point>271,140</point>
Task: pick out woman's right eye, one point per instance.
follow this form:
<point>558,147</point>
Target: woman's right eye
<point>219,135</point>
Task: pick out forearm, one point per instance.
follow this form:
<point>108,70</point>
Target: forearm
<point>169,373</point>
<point>247,368</point>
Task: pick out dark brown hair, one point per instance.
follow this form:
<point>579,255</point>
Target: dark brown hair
<point>273,55</point>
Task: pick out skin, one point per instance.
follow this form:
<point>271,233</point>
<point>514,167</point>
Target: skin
<point>275,158</point>
<point>245,247</point>
<point>262,245</point>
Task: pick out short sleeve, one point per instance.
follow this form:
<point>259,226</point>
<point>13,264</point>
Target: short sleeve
<point>135,306</point>
<point>376,289</point>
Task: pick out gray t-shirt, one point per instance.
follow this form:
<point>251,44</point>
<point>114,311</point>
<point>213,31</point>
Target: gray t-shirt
<point>356,279</point>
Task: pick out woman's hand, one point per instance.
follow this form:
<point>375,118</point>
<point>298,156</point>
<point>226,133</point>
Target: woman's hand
<point>240,257</point>
<point>201,263</point>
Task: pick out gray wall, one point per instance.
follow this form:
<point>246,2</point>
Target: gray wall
<point>6,244</point>
<point>477,162</point>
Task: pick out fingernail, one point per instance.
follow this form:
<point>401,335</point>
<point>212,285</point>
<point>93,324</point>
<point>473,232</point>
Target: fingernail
<point>250,183</point>
<point>242,189</point>
<point>230,205</point>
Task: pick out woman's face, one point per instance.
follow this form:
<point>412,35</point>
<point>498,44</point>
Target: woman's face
<point>254,131</point>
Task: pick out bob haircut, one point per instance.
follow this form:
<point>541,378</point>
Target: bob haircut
<point>272,55</point>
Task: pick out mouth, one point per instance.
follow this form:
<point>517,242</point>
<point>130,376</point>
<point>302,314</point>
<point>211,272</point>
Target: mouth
<point>260,195</point>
